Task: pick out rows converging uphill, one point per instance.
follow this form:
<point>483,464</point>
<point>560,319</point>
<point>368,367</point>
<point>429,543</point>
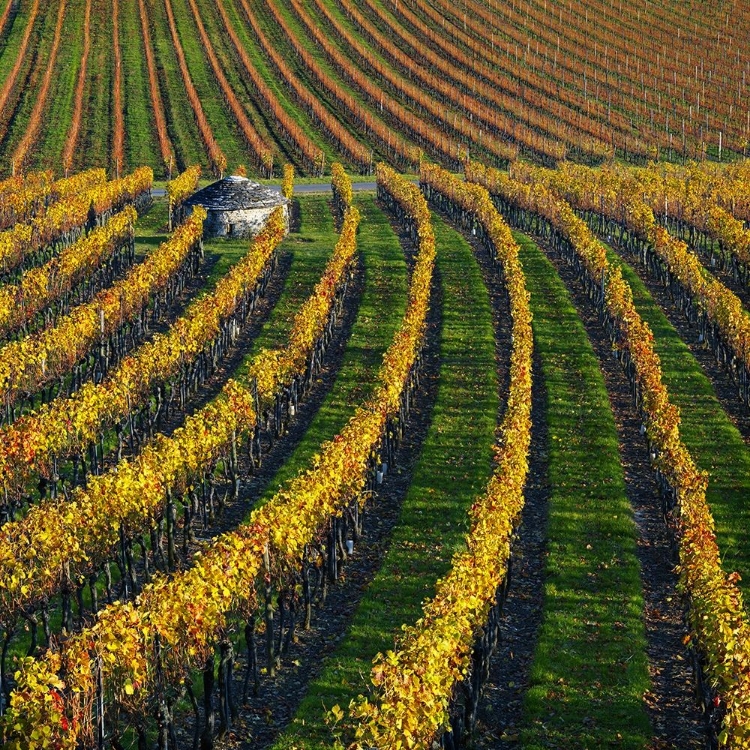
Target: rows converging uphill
<point>184,81</point>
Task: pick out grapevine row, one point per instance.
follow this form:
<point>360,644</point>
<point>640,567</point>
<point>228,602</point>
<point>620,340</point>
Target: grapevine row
<point>417,685</point>
<point>179,190</point>
<point>118,137</point>
<point>75,124</point>
<point>23,196</point>
<point>40,287</point>
<point>312,157</point>
<point>46,357</point>
<point>83,197</point>
<point>361,157</point>
<point>287,182</point>
<point>10,82</point>
<point>20,154</point>
<point>715,609</point>
<point>263,154</point>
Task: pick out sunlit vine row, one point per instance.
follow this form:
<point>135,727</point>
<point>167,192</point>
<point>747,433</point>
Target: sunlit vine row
<point>118,125</point>
<point>22,196</point>
<point>9,86</point>
<point>180,189</point>
<point>28,364</point>
<point>67,425</point>
<point>157,104</point>
<point>287,183</point>
<point>716,611</point>
<point>64,219</point>
<point>416,683</point>
<point>40,287</point>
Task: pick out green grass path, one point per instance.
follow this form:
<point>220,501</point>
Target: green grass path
<point>310,249</point>
<point>590,668</point>
<point>455,464</point>
<point>714,442</point>
<point>380,311</point>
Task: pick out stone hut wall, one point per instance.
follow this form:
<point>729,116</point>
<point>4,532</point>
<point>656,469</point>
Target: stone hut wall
<point>240,223</point>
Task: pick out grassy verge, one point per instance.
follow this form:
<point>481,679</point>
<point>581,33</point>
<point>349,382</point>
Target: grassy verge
<point>454,465</point>
<point>590,667</point>
<point>380,311</point>
<point>714,442</point>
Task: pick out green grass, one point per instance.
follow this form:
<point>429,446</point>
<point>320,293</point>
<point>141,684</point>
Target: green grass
<point>141,142</point>
<point>97,128</point>
<point>181,126</point>
<point>712,439</point>
<point>60,101</point>
<point>454,466</point>
<point>590,668</point>
<point>310,249</point>
<point>381,309</point>
<point>218,114</point>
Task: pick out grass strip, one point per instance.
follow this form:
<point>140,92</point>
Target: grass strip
<point>381,309</point>
<point>218,113</point>
<point>141,145</point>
<point>181,124</point>
<point>709,434</point>
<point>309,249</point>
<point>59,109</point>
<point>454,466</point>
<point>590,667</point>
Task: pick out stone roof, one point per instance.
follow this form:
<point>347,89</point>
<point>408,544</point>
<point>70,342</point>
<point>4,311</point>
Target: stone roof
<point>235,193</point>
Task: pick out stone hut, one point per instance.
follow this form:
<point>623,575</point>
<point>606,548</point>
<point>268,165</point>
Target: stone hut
<point>236,207</point>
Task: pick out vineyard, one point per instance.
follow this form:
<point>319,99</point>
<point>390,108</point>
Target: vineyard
<point>452,450</point>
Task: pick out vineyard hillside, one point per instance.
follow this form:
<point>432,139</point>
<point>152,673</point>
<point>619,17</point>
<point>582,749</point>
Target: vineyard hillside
<point>374,375</point>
